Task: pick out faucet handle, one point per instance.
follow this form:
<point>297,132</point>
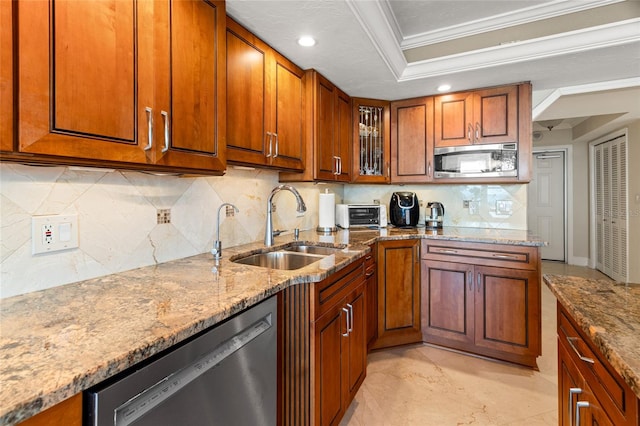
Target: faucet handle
<point>216,251</point>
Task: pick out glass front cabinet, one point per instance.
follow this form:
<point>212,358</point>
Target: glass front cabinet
<point>371,141</point>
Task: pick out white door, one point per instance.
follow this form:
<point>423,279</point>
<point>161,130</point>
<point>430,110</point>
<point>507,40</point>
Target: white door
<point>610,182</point>
<point>546,203</point>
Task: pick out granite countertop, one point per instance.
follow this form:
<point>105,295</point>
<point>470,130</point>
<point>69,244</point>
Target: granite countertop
<point>609,313</point>
<point>61,341</point>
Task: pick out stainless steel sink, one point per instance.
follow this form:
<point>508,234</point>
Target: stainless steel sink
<point>313,249</point>
<point>286,260</point>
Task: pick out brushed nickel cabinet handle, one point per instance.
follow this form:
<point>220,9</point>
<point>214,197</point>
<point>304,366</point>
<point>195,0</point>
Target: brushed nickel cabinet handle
<point>429,169</point>
<point>276,154</point>
<point>447,251</point>
<point>347,316</point>
<point>335,165</point>
<point>571,341</point>
<point>469,132</point>
<point>165,115</point>
<point>478,128</point>
<point>579,405</point>
<point>470,280</point>
<point>572,391</point>
<point>504,256</point>
<point>479,282</point>
<point>149,112</point>
<point>269,135</point>
<point>350,323</point>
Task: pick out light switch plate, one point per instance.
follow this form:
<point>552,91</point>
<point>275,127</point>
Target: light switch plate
<point>53,233</point>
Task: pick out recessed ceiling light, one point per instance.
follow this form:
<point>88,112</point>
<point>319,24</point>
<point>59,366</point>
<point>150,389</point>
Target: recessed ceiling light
<point>444,87</point>
<point>306,41</point>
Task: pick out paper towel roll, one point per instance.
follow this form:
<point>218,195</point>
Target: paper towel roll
<point>327,211</point>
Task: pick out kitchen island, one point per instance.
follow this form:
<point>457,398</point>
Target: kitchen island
<point>62,341</point>
<point>599,327</point>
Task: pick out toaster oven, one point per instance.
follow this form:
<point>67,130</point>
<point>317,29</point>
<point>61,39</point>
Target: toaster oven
<point>354,215</point>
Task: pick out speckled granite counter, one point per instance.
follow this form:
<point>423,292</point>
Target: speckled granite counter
<point>610,314</point>
<point>58,342</point>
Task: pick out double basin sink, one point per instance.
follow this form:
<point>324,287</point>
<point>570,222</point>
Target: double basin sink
<point>289,258</point>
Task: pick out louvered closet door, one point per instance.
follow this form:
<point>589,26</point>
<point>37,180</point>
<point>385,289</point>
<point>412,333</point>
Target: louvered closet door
<point>611,207</point>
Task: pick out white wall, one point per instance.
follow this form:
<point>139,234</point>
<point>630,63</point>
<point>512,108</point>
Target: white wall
<point>634,200</point>
<point>118,227</point>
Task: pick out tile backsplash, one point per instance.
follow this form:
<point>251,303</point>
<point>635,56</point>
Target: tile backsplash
<point>127,220</point>
<point>118,214</point>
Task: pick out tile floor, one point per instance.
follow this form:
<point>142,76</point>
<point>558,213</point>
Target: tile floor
<point>424,385</point>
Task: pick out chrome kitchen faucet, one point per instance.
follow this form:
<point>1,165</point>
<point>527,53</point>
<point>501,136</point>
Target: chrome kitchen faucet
<point>268,234</point>
<point>216,251</point>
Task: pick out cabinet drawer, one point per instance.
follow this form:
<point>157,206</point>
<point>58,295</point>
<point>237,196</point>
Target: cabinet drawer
<point>331,290</point>
<point>501,255</point>
<point>616,398</point>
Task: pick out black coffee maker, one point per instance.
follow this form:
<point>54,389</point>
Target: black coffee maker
<point>404,209</point>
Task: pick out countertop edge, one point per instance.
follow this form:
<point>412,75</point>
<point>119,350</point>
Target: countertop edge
<point>602,343</point>
<point>44,400</point>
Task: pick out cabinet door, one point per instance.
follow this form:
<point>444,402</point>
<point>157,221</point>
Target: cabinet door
<point>568,378</point>
<point>495,115</point>
<point>412,140</point>
<point>86,79</point>
<point>507,310</point>
<point>454,119</point>
<point>324,134</point>
<point>6,76</point>
<point>331,337</point>
<point>447,303</point>
<point>247,139</point>
<point>65,413</point>
<point>286,113</point>
<point>398,293</point>
<point>342,141</point>
<point>357,359</point>
<point>371,145</point>
<point>371,290</point>
<point>192,101</point>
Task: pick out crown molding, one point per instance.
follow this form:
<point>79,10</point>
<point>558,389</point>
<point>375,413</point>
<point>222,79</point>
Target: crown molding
<point>583,88</point>
<point>598,37</point>
<point>374,19</point>
<point>498,22</point>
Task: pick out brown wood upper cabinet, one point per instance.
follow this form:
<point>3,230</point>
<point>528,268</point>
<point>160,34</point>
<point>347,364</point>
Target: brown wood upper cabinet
<point>412,140</point>
<point>332,130</point>
<point>265,104</point>
<point>371,145</point>
<point>106,83</point>
<point>477,117</point>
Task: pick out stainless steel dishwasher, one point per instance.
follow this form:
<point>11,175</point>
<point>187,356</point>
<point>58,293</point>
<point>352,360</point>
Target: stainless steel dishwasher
<point>226,376</point>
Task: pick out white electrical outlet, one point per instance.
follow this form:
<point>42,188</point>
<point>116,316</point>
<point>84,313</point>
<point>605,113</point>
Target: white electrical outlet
<point>53,233</point>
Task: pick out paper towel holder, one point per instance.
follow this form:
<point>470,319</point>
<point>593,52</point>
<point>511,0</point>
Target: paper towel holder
<point>326,230</point>
<point>327,227</point>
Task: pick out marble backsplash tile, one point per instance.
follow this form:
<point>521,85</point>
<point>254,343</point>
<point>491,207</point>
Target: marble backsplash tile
<point>117,216</point>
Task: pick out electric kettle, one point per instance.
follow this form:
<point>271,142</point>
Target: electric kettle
<point>434,215</point>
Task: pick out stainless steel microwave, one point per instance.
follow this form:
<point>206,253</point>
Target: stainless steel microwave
<point>354,215</point>
<point>491,160</point>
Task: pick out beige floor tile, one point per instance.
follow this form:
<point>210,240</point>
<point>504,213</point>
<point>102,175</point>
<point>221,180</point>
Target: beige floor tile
<point>428,385</point>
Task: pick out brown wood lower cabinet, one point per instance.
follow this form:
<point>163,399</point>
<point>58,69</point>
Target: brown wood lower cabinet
<point>371,293</point>
<point>66,413</point>
<point>488,310</point>
<point>398,293</point>
<point>323,352</point>
<point>590,392</point>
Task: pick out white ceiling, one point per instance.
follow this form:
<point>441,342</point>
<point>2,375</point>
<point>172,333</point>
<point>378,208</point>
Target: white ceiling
<point>565,48</point>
